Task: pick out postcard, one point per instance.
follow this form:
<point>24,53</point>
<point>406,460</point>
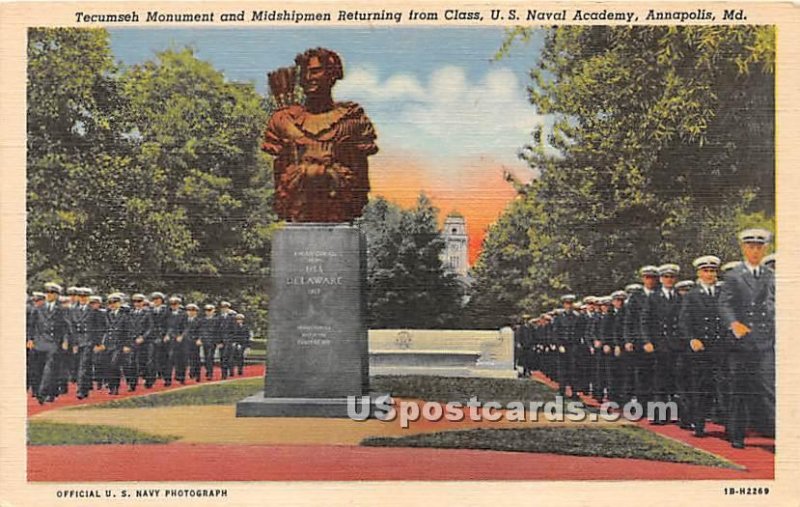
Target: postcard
<point>384,252</point>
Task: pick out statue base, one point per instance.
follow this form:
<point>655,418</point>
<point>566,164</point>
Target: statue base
<point>317,344</point>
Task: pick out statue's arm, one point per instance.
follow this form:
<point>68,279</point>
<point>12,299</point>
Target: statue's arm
<point>361,133</point>
<point>281,132</point>
<point>366,141</point>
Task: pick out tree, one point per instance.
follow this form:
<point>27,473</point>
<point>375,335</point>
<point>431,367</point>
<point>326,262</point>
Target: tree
<point>197,136</point>
<point>202,212</point>
<point>75,148</point>
<point>664,146</point>
<point>408,286</point>
<point>502,268</point>
<point>148,178</point>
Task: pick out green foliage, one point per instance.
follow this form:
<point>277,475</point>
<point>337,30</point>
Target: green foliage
<point>664,147</point>
<point>501,270</point>
<point>50,433</point>
<point>513,34</point>
<point>408,286</point>
<point>151,178</point>
<point>612,442</point>
<point>75,146</point>
<point>73,102</point>
<point>145,178</point>
<point>205,206</point>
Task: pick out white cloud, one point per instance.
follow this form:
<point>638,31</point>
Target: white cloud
<point>403,86</point>
<point>447,117</point>
<point>365,83</point>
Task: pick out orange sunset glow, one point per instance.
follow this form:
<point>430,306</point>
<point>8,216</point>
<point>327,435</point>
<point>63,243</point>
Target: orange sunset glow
<point>478,191</point>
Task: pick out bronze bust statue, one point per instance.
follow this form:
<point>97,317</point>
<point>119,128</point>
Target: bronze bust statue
<point>320,147</point>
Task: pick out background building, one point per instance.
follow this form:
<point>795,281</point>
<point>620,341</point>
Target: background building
<point>454,231</point>
<point>455,255</point>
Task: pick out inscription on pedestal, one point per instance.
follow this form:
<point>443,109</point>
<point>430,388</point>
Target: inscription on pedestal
<point>317,341</point>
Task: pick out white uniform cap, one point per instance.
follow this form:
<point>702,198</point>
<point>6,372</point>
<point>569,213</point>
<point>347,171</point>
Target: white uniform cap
<point>707,261</point>
<point>755,236</point>
<point>668,269</point>
<point>648,270</point>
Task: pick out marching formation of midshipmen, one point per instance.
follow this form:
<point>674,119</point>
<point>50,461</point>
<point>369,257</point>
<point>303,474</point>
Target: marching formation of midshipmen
<point>707,345</point>
<point>74,338</point>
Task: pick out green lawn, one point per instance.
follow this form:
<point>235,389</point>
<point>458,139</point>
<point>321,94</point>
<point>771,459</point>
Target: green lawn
<point>224,393</point>
<point>446,389</point>
<point>49,433</point>
<point>423,387</point>
<point>616,442</point>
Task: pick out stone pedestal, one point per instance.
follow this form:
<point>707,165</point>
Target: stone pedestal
<point>317,345</point>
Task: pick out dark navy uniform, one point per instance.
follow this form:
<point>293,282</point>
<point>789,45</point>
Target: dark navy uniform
<point>118,343</point>
<point>549,356</point>
<point>32,383</point>
<point>51,332</point>
<point>242,338</point>
<point>518,347</point>
<point>70,359</point>
<point>749,298</point>
<point>225,329</point>
<point>639,363</point>
<point>566,328</point>
<point>191,337</point>
<point>660,327</point>
<point>209,337</point>
<point>699,320</point>
<point>525,331</point>
<point>613,330</point>
<point>604,355</point>
<point>591,354</point>
<point>176,325</point>
<point>66,357</point>
<point>88,327</point>
<point>161,364</point>
<point>99,368</point>
<point>141,328</point>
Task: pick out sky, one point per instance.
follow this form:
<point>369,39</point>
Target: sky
<point>449,120</point>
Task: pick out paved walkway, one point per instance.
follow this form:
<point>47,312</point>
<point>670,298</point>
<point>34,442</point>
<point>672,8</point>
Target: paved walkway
<point>185,422</point>
<point>217,446</point>
<point>186,462</point>
<point>69,399</point>
<point>758,457</point>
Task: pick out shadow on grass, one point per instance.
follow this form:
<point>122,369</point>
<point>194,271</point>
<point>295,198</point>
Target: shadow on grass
<point>614,442</point>
<point>49,433</point>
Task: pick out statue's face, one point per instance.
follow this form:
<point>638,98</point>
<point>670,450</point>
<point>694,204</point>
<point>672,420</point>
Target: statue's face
<point>316,79</point>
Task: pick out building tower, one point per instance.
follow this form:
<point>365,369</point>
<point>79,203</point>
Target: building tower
<point>456,240</point>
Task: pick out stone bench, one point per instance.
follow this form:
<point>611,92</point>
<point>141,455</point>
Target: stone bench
<point>429,358</point>
<point>442,352</point>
